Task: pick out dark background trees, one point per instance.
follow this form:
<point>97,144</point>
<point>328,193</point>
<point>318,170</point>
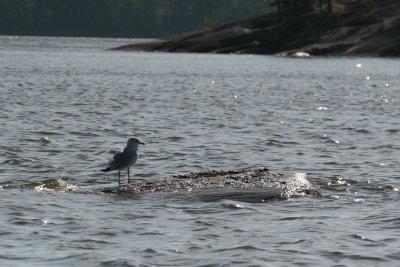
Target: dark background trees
<point>295,8</point>
<point>119,18</point>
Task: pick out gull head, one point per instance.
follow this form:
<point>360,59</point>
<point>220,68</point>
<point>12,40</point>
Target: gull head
<point>134,142</point>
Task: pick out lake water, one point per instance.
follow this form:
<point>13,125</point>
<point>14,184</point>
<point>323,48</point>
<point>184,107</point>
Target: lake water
<point>67,104</point>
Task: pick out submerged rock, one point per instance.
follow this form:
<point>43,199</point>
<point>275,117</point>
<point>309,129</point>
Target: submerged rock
<point>251,186</point>
<point>294,54</point>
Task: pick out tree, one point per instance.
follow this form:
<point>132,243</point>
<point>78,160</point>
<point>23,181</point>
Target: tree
<point>328,4</point>
<point>293,8</point>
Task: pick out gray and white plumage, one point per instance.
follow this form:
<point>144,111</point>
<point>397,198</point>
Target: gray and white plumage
<point>126,158</point>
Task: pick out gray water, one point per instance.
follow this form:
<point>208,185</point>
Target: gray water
<point>67,104</point>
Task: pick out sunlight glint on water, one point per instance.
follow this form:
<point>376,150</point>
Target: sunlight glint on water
<point>68,104</point>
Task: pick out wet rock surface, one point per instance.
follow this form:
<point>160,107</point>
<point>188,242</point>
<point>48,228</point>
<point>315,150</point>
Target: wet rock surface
<point>244,185</point>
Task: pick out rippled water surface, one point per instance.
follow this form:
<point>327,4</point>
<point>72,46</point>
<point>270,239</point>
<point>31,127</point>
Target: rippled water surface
<point>67,104</point>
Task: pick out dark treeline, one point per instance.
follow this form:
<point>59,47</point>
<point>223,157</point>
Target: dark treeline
<point>295,8</point>
<point>120,18</point>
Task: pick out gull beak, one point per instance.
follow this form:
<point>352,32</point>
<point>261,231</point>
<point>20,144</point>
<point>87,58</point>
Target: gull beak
<point>142,143</point>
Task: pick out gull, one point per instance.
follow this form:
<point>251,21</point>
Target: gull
<point>125,158</point>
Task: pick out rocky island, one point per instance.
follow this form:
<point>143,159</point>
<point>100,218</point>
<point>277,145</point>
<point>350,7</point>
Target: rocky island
<point>351,28</point>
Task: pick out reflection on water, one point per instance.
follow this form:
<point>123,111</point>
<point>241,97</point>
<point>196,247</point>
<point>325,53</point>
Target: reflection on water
<point>67,103</point>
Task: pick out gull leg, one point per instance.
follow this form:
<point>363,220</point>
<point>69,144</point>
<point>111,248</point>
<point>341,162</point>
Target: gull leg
<point>119,178</point>
<point>129,179</point>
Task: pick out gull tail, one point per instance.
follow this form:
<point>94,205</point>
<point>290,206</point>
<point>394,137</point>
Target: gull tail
<point>106,169</point>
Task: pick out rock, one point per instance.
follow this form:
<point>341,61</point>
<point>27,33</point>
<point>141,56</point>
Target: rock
<point>243,185</point>
<point>294,54</point>
<point>360,29</point>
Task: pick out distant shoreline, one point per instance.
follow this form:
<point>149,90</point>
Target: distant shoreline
<point>371,29</point>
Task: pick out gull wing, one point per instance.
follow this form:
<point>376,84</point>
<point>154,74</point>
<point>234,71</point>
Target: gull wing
<point>120,160</point>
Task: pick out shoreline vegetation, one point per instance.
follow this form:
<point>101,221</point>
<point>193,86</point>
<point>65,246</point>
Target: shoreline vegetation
<point>349,28</point>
